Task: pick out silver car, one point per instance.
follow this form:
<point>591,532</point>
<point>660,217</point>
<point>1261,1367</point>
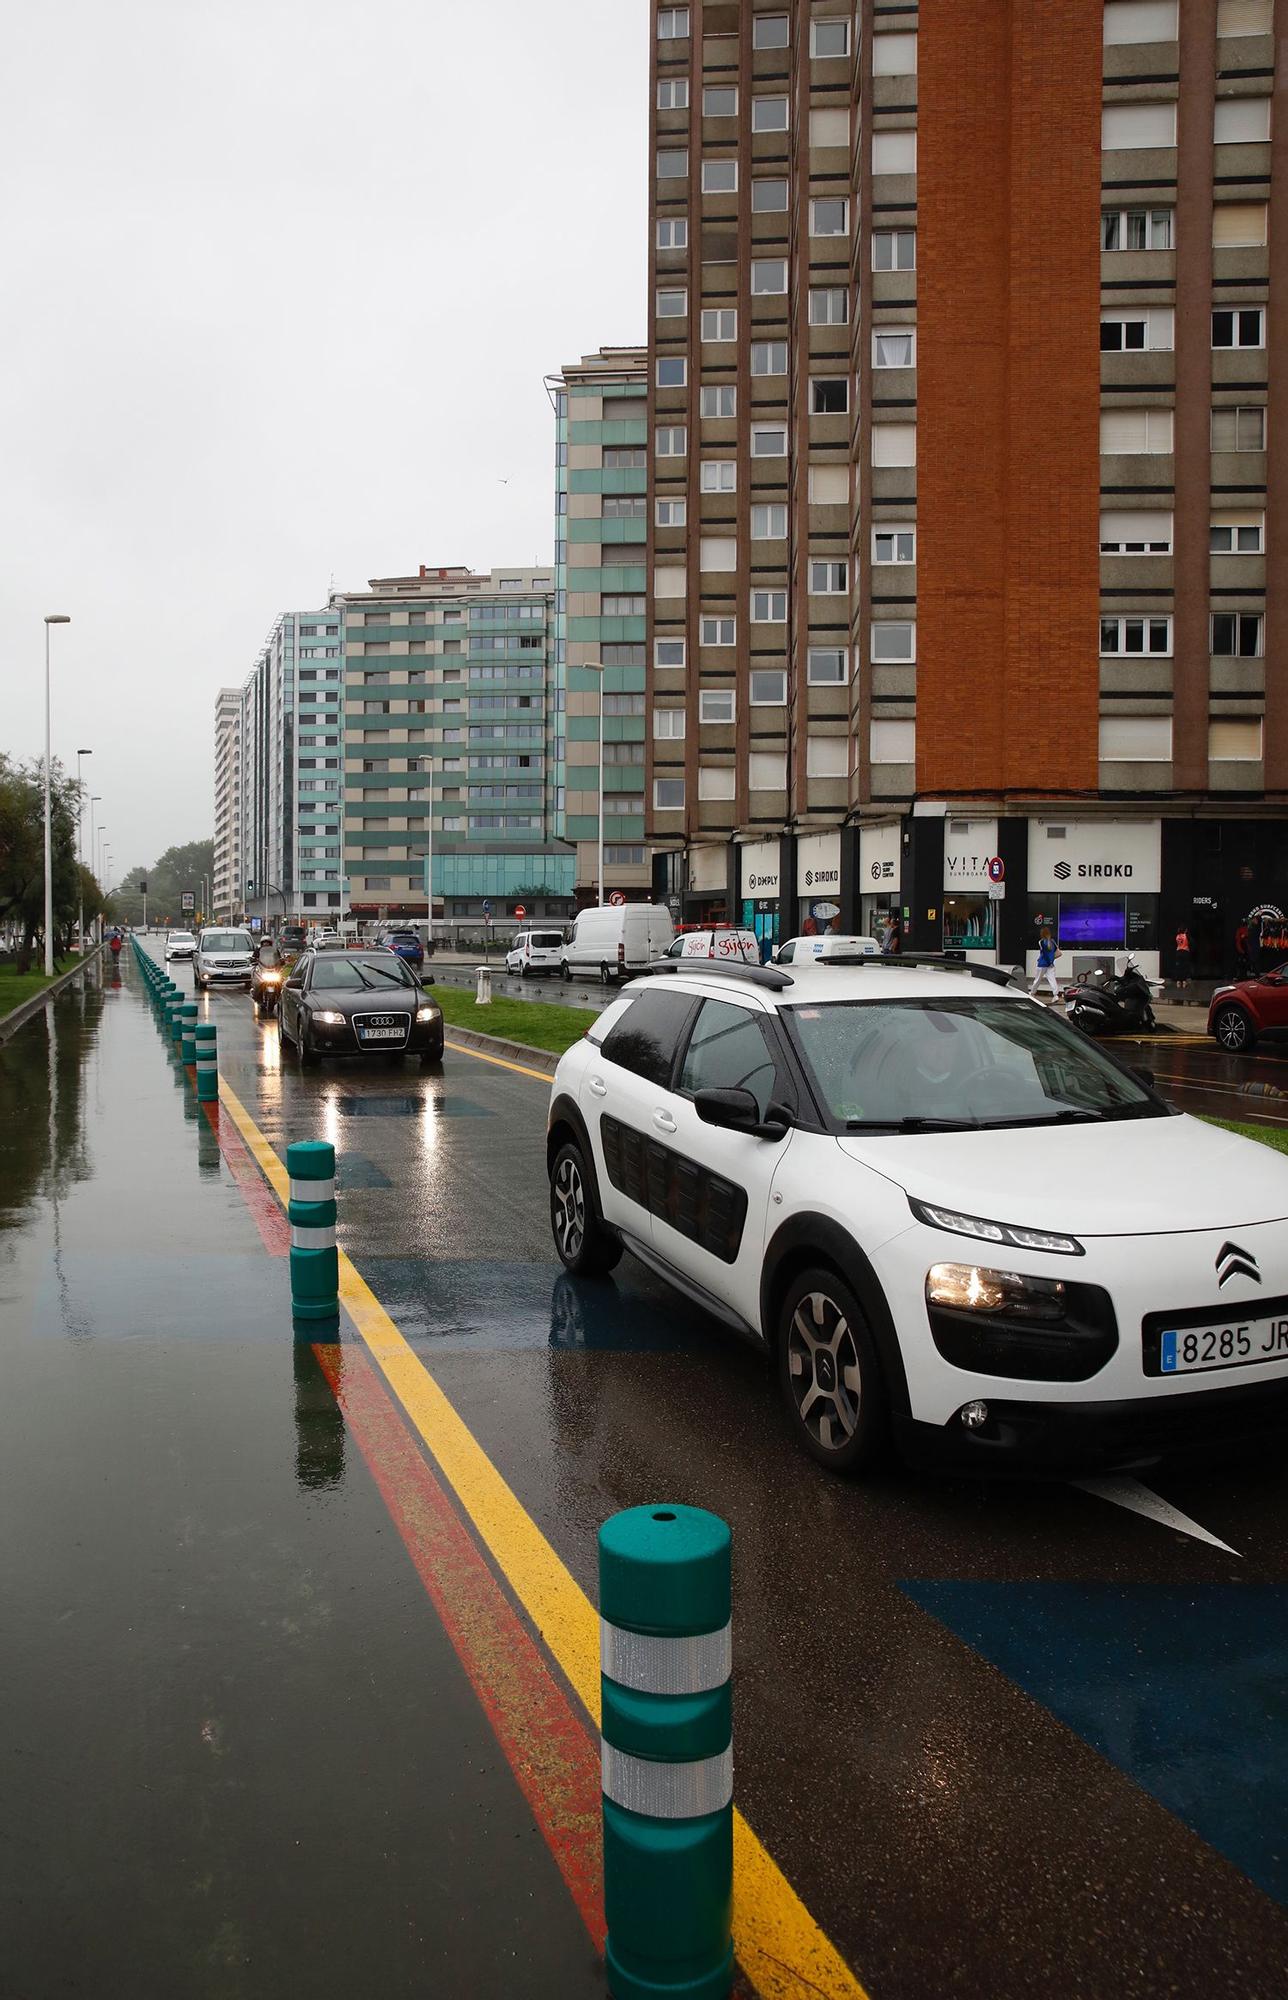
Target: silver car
<point>179,944</point>
<point>223,958</point>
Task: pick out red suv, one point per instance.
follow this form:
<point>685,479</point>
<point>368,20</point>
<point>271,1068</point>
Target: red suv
<point>1239,1014</point>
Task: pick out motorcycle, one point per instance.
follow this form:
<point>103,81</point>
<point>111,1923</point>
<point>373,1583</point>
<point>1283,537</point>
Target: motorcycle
<point>266,987</point>
<point>1112,1003</point>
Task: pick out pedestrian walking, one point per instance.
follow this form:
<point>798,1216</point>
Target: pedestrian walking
<point>1048,952</point>
<point>1241,949</point>
<point>1182,962</point>
<point>1254,947</point>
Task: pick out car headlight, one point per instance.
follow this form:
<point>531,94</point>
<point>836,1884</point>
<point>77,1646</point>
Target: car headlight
<point>426,1013</point>
<point>973,1288</point>
<point>327,1017</point>
<point>1217,991</point>
<point>985,1231</point>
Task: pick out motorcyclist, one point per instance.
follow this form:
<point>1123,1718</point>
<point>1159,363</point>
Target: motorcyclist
<point>268,954</point>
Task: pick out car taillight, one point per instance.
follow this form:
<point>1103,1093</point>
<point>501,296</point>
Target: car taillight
<point>621,954</point>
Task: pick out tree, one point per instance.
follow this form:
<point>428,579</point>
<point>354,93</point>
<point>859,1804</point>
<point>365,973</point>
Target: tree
<point>179,868</point>
<point>22,852</point>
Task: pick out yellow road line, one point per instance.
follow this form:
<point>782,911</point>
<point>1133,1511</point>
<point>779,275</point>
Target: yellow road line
<point>520,1069</point>
<point>781,1948</point>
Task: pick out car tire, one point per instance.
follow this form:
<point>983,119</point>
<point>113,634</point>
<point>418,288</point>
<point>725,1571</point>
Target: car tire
<point>605,977</point>
<point>582,1243</point>
<point>1232,1029</point>
<point>566,971</point>
<point>309,1058</point>
<point>432,1059</point>
<point>523,972</point>
<point>837,1406</point>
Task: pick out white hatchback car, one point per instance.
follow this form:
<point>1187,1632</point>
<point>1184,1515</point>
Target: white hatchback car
<point>179,944</point>
<point>536,952</point>
<point>941,1209</point>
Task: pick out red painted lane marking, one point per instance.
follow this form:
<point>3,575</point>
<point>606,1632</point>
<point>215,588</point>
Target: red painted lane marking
<point>548,1746</point>
<point>265,1209</point>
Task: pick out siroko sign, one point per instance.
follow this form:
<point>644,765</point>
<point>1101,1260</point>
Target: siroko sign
<point>1097,855</point>
<point>818,864</point>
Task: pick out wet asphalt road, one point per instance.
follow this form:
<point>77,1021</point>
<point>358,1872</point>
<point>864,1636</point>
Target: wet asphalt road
<point>1002,1739</point>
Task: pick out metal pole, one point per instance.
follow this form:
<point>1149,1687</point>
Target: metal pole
<point>429,868</point>
<point>600,821</point>
<point>95,798</point>
<point>80,849</point>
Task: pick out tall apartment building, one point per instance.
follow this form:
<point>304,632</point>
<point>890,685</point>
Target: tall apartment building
<point>968,524</point>
<point>226,869</point>
<point>450,712</point>
<point>601,581</point>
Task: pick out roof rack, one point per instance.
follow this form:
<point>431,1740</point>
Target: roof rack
<point>726,968</point>
<point>939,961</point>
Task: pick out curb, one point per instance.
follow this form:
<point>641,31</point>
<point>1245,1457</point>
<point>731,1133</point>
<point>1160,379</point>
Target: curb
<point>495,1045</point>
<point>26,1010</point>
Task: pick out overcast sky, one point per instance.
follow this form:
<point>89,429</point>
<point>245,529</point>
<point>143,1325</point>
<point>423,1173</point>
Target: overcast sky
<point>279,282</point>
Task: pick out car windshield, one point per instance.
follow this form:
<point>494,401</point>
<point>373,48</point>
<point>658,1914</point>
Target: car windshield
<point>225,941</point>
<point>353,975</point>
<point>958,1062</point>
<point>181,937</point>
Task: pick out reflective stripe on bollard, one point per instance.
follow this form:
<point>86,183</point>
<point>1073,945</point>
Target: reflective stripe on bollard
<point>667,1752</point>
<point>207,1061</point>
<point>188,1029</point>
<point>315,1265</point>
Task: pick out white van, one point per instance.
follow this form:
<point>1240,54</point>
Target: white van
<point>535,952</point>
<point>830,945</point>
<point>615,940</point>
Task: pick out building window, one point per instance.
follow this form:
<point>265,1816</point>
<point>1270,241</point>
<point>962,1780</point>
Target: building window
<point>1132,432</point>
<point>718,475</point>
<point>827,666</point>
<point>768,687</point>
<point>769,357</point>
<point>768,607</point>
<point>718,552</point>
<point>829,305</point>
<point>830,38</point>
<point>768,524</point>
<point>1137,332</point>
<point>894,545</point>
<point>894,152</point>
<point>1136,228</point>
<point>1140,21</point>
<point>769,114</point>
<point>716,781</point>
<point>673,232</point>
<point>828,578</point>
<point>894,55</point>
<point>827,757</point>
<point>1241,121</point>
<point>618,604</point>
<point>769,31</point>
<point>894,444</point>
<point>668,794</point>
<point>617,458</point>
<point>1132,533</point>
<point>768,276</point>
<point>668,652</point>
<point>719,323</point>
<point>894,249</point>
<point>672,371</point>
<point>716,705</point>
<point>668,724</point>
<point>623,857</point>
<point>1135,739</point>
<point>1231,741</point>
<point>1245,326</point>
<point>719,177</point>
<point>720,100</point>
<point>1238,225</point>
<point>620,507</point>
<point>894,639</point>
<point>1136,635</point>
<point>769,440</point>
<point>1237,535</point>
<point>1133,127</point>
<point>829,215</point>
<point>673,93</point>
<point>894,349</point>
<point>718,400</point>
<point>621,704</point>
<point>892,742</point>
<point>672,163</point>
<point>672,513</point>
<point>672,304</point>
<point>714,631</point>
<point>672,24</point>
<point>671,440</point>
<point>767,771</point>
<point>1236,635</point>
<point>769,197</point>
<point>1242,428</point>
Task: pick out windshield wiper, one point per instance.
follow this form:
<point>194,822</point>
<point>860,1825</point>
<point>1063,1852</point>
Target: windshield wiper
<point>912,1124</point>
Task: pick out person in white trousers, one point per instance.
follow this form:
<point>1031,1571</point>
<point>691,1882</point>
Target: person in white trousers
<point>1047,951</point>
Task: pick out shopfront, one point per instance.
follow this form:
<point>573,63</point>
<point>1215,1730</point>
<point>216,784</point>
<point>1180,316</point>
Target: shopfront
<point>970,909</point>
<point>759,880</point>
<point>818,882</point>
<point>880,877</point>
<point>1094,884</point>
<point>1222,878</point>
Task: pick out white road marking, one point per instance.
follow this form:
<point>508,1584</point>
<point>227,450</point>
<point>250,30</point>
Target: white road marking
<point>1129,1493</point>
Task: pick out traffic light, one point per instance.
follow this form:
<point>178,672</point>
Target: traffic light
<point>143,886</point>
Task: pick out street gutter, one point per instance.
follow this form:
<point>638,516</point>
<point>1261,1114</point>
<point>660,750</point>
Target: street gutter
<point>27,1009</point>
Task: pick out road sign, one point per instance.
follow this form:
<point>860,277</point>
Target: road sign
<point>997,892</point>
<point>997,869</point>
<point>487,909</point>
<point>188,899</point>
<point>519,910</point>
<point>617,897</point>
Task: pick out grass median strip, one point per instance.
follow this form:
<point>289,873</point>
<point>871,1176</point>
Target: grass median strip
<point>1269,1135</point>
<point>541,1024</point>
<point>15,987</point>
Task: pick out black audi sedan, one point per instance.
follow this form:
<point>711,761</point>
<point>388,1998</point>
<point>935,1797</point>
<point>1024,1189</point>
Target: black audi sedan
<point>355,1003</point>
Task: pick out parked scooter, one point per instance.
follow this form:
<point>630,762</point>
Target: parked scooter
<point>1112,1003</point>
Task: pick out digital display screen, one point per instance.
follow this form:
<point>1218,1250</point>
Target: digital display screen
<point>1087,921</point>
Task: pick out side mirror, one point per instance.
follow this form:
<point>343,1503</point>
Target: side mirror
<point>297,983</point>
<point>427,979</point>
<point>737,1111</point>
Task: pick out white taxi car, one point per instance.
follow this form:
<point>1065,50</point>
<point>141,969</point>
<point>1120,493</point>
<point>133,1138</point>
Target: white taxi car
<point>942,1210</point>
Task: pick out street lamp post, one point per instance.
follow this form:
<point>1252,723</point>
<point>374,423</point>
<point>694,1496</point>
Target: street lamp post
<point>95,799</point>
<point>51,618</point>
<point>597,667</point>
<point>80,850</point>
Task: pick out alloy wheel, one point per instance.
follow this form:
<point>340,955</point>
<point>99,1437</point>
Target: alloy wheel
<point>569,1208</point>
<point>1232,1029</point>
<point>823,1364</point>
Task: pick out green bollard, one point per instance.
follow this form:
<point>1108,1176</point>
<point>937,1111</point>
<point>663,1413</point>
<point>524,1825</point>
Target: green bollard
<point>207,1061</point>
<point>188,1031</point>
<point>176,1021</point>
<point>315,1266</point>
<point>665,1666</point>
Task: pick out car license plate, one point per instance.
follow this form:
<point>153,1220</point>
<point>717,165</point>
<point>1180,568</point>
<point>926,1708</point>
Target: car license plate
<point>383,1034</point>
<point>1235,1343</point>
